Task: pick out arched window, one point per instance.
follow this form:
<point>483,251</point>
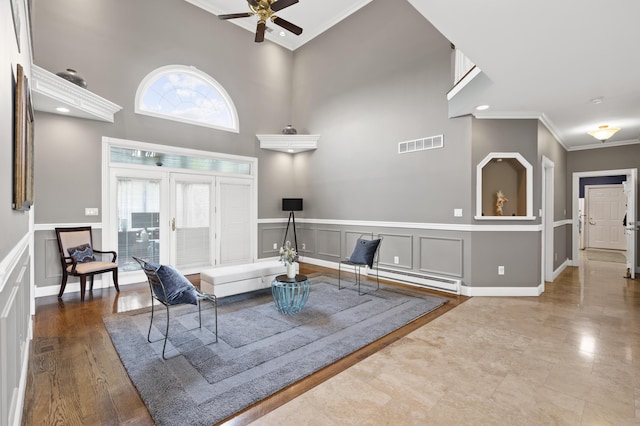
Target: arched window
<point>186,94</point>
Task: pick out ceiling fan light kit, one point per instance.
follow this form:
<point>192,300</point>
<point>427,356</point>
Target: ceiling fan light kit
<point>603,133</point>
<point>265,10</point>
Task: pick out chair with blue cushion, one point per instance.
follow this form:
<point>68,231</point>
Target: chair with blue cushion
<point>77,257</point>
<point>170,287</point>
<point>365,255</point>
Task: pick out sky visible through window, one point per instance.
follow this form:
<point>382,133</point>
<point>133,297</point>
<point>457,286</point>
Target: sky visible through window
<point>187,97</point>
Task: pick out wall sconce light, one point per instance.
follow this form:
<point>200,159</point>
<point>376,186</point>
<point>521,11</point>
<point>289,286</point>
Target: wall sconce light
<point>603,133</point>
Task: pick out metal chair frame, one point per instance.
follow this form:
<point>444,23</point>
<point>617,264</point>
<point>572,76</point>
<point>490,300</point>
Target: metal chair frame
<point>358,266</point>
<point>154,280</point>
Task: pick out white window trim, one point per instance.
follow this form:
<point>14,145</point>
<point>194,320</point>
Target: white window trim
<point>184,69</point>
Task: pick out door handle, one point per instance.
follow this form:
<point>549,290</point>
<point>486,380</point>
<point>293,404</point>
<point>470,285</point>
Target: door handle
<point>173,224</point>
<point>591,222</point>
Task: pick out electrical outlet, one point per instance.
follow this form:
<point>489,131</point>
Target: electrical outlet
<point>555,256</point>
<point>396,259</point>
<point>304,246</point>
<point>500,270</point>
<point>275,246</point>
<point>457,212</point>
<point>91,211</point>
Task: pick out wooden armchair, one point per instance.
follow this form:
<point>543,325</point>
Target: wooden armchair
<point>77,259</point>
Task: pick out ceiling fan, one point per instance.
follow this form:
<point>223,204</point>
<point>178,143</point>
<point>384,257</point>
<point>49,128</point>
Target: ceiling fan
<point>265,9</point>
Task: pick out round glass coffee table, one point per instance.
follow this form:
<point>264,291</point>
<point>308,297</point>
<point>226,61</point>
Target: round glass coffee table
<point>290,294</point>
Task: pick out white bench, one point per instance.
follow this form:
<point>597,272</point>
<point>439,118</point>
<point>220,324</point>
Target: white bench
<point>236,279</point>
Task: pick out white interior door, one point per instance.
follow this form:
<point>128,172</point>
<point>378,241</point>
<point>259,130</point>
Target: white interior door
<point>192,221</point>
<point>606,206</point>
<point>631,229</point>
<point>235,210</point>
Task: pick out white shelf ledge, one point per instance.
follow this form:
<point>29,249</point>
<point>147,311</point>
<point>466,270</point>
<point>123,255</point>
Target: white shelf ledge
<point>49,92</point>
<point>289,143</point>
<point>504,217</point>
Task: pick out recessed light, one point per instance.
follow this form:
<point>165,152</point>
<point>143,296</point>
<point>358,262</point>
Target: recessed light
<point>62,109</point>
<point>282,34</point>
<point>290,150</point>
<point>596,101</point>
<point>482,107</point>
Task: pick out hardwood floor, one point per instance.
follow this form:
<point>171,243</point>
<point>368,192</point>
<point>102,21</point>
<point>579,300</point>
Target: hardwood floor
<point>75,376</point>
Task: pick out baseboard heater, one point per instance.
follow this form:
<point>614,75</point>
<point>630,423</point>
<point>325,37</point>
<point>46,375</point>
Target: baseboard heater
<point>449,285</point>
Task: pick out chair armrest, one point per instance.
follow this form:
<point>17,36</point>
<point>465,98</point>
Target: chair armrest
<point>69,259</point>
<point>115,255</point>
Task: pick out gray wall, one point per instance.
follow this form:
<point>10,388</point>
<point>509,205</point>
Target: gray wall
<point>518,252</point>
<point>15,259</point>
<point>14,224</point>
<point>362,90</point>
<point>378,78</point>
<point>114,45</point>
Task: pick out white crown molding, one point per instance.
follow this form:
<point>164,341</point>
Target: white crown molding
<point>291,144</point>
<point>50,91</point>
<point>604,145</point>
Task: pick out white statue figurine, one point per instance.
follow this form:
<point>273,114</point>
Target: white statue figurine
<point>502,200</point>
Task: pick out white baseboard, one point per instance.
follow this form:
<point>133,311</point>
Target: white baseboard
<point>52,290</point>
<point>561,268</point>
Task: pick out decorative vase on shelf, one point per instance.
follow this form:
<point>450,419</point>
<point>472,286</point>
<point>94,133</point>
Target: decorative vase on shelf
<point>72,76</point>
<point>289,130</point>
<point>291,270</point>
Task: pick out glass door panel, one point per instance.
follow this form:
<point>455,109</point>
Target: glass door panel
<point>138,219</point>
<point>192,222</point>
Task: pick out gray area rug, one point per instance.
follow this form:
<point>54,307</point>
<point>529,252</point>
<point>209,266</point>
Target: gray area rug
<point>607,256</point>
<point>259,350</point>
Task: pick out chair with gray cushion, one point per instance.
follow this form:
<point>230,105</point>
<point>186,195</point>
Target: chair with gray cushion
<point>77,257</point>
<point>365,255</point>
<point>170,288</point>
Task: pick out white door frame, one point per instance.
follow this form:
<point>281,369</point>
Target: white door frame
<point>632,177</point>
<point>107,187</point>
<point>547,255</point>
<point>631,230</point>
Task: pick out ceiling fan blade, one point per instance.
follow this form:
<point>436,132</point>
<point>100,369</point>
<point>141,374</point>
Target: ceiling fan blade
<point>281,4</point>
<point>235,15</point>
<point>287,25</point>
<point>262,26</point>
<point>253,3</point>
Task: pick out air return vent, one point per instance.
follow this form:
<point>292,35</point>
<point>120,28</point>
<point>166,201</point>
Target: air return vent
<point>430,142</point>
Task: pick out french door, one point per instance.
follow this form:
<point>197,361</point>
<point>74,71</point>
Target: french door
<point>188,208</point>
<point>189,220</point>
<point>192,222</point>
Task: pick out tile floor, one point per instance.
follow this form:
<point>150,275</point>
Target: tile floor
<point>568,357</point>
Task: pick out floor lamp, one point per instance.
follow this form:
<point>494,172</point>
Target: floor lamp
<point>291,205</point>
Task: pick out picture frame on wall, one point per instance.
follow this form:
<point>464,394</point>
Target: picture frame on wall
<point>23,144</point>
<point>15,13</point>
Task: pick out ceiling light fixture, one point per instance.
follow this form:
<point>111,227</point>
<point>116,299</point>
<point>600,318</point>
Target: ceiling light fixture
<point>482,107</point>
<point>603,133</point>
<point>62,109</point>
